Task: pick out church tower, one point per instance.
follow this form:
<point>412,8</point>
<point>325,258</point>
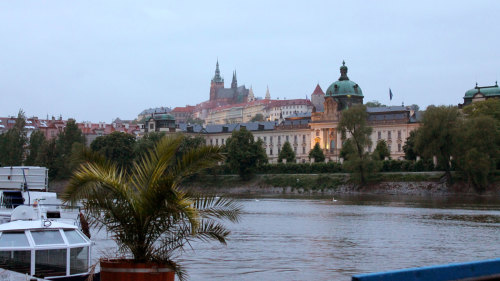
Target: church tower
<point>268,95</point>
<point>234,83</point>
<point>217,83</point>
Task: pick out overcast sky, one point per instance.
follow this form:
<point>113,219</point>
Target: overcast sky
<point>98,60</point>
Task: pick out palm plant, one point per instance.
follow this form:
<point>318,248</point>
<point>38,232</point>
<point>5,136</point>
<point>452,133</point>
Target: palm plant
<point>150,217</point>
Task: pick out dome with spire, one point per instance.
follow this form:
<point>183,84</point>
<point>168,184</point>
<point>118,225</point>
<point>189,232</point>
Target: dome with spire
<point>344,86</point>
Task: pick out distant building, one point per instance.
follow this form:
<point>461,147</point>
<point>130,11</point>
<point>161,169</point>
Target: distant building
<point>317,99</point>
<point>481,93</point>
<point>182,114</point>
<point>159,123</point>
<point>91,131</point>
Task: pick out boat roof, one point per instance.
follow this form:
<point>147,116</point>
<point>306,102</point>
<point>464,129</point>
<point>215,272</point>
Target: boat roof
<point>35,225</point>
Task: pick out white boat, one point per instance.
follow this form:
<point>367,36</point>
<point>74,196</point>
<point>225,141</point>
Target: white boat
<point>28,185</point>
<point>43,248</point>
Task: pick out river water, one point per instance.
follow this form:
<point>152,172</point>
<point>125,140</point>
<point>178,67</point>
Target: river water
<point>321,239</point>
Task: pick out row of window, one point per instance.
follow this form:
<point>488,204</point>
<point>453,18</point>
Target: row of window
<point>389,135</point>
<point>294,150</point>
<point>389,147</point>
<point>286,138</point>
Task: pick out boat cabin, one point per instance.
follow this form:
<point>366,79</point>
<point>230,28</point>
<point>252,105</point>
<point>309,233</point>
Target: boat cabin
<point>43,248</point>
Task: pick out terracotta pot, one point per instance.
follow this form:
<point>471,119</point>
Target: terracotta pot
<point>127,270</point>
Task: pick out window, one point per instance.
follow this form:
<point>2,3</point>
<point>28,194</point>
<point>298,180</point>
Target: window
<point>151,126</point>
<point>303,138</point>
<point>303,150</point>
<point>265,139</point>
<point>295,150</point>
<point>279,150</point>
<point>389,147</point>
<point>379,135</point>
<point>286,138</point>
<point>295,139</point>
<point>317,133</point>
<point>370,148</point>
<point>279,139</point>
<point>389,135</point>
<point>399,147</point>
<point>399,135</point>
<point>51,262</point>
<point>211,141</point>
<point>47,237</point>
<point>271,140</point>
<point>270,151</point>
<point>14,239</point>
<point>216,141</point>
<point>222,141</point>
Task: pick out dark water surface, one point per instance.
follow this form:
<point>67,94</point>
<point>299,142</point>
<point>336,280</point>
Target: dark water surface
<point>319,239</point>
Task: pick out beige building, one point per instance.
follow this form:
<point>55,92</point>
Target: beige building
<point>393,124</point>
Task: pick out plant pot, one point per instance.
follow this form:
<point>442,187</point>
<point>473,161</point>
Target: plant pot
<point>128,270</point>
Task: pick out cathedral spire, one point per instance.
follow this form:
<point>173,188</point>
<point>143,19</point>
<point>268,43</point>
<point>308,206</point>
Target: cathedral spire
<point>268,95</point>
<point>217,78</point>
<point>234,83</point>
<point>251,96</point>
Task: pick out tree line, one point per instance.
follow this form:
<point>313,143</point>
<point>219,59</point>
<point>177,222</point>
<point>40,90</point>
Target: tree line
<point>464,140</point>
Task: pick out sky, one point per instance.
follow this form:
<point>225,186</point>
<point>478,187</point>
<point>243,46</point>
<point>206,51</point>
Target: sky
<point>98,60</point>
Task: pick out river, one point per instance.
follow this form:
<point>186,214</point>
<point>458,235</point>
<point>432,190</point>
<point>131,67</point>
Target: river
<point>286,238</point>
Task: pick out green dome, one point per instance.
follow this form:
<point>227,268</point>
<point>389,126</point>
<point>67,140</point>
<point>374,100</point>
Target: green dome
<point>488,91</point>
<point>344,86</point>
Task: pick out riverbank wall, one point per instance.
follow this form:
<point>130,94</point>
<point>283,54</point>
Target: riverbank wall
<point>419,183</point>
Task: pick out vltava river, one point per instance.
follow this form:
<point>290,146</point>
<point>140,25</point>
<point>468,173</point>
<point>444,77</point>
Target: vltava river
<point>320,239</point>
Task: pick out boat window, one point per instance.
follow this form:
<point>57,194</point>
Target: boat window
<point>79,260</point>
<point>14,239</point>
<point>47,237</point>
<point>50,262</point>
<point>19,261</point>
<point>74,237</point>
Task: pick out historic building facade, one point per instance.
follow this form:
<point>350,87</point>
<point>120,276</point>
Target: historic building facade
<point>393,124</point>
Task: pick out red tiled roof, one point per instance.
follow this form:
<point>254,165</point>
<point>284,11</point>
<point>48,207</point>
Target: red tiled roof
<point>318,91</point>
<point>187,108</point>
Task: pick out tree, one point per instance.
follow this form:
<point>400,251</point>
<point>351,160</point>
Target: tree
<point>381,151</point>
<point>37,140</point>
<point>347,149</point>
<point>409,146</point>
<point>286,153</point>
<point>150,216</point>
<point>374,103</point>
<point>353,125</point>
<point>415,107</point>
<point>64,148</point>
<point>489,107</point>
<point>477,150</point>
<point>117,147</point>
<point>317,154</point>
<point>244,154</point>
<point>12,143</point>
<point>438,135</point>
<point>147,142</point>
<point>47,157</point>
<point>257,118</point>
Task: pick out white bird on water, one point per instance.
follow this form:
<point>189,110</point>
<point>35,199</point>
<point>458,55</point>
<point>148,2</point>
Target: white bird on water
<point>333,199</point>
